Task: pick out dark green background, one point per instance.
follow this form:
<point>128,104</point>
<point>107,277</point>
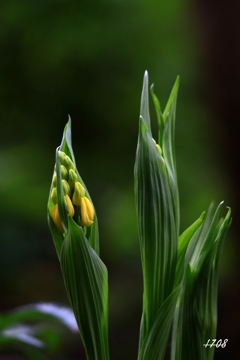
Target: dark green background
<point>87,59</point>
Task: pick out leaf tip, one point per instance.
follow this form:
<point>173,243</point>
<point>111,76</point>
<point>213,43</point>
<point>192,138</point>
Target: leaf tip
<point>145,81</point>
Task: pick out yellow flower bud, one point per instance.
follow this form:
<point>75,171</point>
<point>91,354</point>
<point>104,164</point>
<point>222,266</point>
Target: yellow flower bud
<point>56,218</point>
<point>55,213</point>
<point>87,211</point>
<point>69,205</point>
<point>158,147</point>
<point>79,192</point>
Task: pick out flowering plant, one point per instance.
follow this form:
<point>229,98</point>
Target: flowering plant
<point>180,273</point>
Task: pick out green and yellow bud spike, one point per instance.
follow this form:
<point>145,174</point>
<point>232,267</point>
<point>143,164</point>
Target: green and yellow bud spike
<point>73,192</point>
<point>85,275</point>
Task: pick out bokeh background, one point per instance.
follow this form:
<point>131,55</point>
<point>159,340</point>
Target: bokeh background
<point>87,59</point>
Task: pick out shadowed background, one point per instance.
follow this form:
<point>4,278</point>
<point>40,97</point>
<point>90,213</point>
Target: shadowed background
<point>88,60</point>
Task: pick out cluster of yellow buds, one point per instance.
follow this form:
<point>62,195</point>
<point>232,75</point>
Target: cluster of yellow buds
<point>74,195</point>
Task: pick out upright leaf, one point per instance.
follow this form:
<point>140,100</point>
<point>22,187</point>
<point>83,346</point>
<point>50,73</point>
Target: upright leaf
<point>85,278</point>
<point>158,231</point>
<point>195,316</point>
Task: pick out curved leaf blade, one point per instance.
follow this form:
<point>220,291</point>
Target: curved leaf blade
<point>195,318</point>
<point>154,345</point>
<point>183,242</point>
<point>85,277</point>
<point>156,223</point>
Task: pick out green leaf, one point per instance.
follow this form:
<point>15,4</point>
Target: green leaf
<point>208,235</point>
<point>207,288</point>
<point>159,115</point>
<point>183,242</point>
<point>66,144</point>
<point>144,108</point>
<point>195,316</point>
<point>154,345</point>
<point>85,278</point>
<point>166,140</point>
<point>168,147</point>
<point>57,237</point>
<point>185,237</point>
<point>171,100</point>
<point>157,233</point>
<point>156,221</point>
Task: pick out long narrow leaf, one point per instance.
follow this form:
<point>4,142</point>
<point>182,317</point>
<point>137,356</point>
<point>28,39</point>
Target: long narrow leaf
<point>183,242</point>
<point>154,345</point>
<point>85,277</point>
<point>157,230</point>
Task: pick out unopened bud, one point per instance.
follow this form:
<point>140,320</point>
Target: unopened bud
<point>64,175</point>
<point>87,212</point>
<point>157,147</point>
<point>78,194</point>
<point>72,178</point>
<point>54,195</point>
<point>69,205</point>
<point>56,218</point>
<point>64,172</point>
<point>61,156</point>
<point>68,163</point>
<point>66,187</point>
<point>54,212</point>
<point>54,181</point>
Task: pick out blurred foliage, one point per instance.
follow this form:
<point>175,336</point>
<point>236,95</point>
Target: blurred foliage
<point>31,330</point>
<point>87,59</point>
